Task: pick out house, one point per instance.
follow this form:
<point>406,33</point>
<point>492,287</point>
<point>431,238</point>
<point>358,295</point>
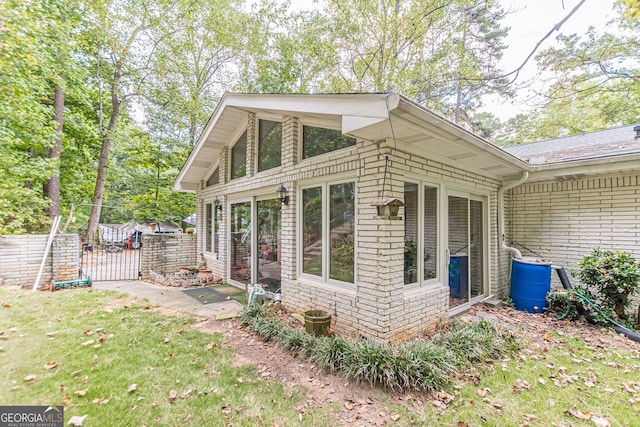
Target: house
<point>368,206</point>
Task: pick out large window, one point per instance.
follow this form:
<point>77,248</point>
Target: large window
<point>316,141</point>
<point>421,233</point>
<point>214,178</point>
<point>269,144</point>
<point>208,222</point>
<point>217,212</point>
<point>239,157</point>
<point>328,231</point>
<point>312,231</point>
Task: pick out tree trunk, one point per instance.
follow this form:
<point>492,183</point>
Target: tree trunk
<point>96,207</point>
<point>52,186</point>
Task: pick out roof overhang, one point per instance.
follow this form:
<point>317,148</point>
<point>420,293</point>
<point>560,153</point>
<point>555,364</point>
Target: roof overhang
<point>577,169</point>
<point>371,116</point>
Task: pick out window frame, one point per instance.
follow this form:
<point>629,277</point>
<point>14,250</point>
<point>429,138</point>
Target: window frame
<point>215,172</point>
<point>257,142</point>
<point>324,279</point>
<point>244,132</point>
<point>421,283</point>
<point>322,125</point>
<point>207,244</point>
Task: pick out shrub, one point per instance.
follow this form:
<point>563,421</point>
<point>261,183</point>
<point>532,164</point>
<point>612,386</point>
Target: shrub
<point>563,305</point>
<point>417,365</point>
<point>609,277</point>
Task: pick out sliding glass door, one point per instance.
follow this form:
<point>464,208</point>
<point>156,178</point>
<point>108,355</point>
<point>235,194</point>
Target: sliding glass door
<point>268,241</point>
<point>254,250</point>
<point>466,246</point>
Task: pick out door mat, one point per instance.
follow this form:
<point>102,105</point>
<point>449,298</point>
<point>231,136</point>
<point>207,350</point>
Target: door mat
<point>205,295</point>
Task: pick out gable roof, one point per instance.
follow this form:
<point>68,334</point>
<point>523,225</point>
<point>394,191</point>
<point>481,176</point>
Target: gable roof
<point>368,116</point>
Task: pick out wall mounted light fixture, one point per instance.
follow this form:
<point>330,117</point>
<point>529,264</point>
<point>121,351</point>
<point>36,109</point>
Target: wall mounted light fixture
<point>282,194</point>
<point>217,204</point>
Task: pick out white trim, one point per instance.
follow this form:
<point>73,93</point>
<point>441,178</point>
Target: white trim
<point>256,149</point>
<point>324,278</point>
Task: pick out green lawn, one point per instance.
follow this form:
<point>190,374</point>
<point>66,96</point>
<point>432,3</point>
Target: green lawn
<point>130,366</point>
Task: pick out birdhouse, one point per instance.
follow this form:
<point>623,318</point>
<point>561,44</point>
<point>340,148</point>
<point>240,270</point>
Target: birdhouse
<point>388,208</point>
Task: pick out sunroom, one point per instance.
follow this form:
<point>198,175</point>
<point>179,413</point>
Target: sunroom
<point>293,191</point>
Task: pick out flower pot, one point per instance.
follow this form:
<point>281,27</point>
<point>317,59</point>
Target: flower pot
<point>317,322</point>
<point>204,273</point>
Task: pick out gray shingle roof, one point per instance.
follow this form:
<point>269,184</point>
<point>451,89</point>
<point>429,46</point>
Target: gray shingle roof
<point>604,143</point>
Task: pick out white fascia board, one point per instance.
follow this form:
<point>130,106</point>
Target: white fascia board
<point>602,165</point>
<point>351,124</point>
<point>356,105</point>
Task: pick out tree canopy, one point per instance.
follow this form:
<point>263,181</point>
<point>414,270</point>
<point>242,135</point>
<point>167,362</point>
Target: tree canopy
<point>109,97</point>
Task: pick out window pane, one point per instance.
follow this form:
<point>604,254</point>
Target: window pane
<point>430,232</point>
<point>269,144</point>
<point>240,225</point>
<point>410,233</point>
<point>476,248</point>
<point>214,178</point>
<point>216,228</point>
<point>316,141</point>
<point>269,219</point>
<point>239,157</point>
<point>341,205</point>
<point>312,231</point>
<point>207,227</point>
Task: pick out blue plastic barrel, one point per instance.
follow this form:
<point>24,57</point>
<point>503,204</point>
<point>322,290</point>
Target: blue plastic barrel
<point>530,283</point>
<point>458,276</point>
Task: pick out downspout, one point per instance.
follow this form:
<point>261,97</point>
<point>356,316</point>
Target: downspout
<point>503,245</point>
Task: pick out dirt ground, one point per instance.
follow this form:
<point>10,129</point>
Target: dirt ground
<point>360,404</point>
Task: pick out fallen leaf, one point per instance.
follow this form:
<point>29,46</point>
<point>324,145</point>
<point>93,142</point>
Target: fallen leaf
<point>579,414</point>
<point>225,410</point>
<point>211,346</point>
<point>132,388</point>
<point>81,392</point>
<point>600,421</point>
<point>348,405</point>
<point>521,385</point>
<point>88,332</point>
<point>65,400</point>
<point>50,365</point>
<point>88,342</point>
<point>5,304</point>
<point>173,395</point>
<point>548,336</point>
<point>30,377</point>
<point>186,394</point>
<point>101,400</point>
<point>529,417</point>
<point>395,417</point>
<point>484,391</point>
<point>76,420</point>
<point>63,388</point>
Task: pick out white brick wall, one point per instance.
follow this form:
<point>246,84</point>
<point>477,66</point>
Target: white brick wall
<point>378,305</point>
<point>564,221</point>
